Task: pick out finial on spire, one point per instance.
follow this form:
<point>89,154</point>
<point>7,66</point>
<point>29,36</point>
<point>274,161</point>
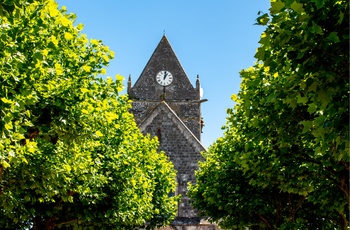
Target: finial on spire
<point>163,32</point>
<point>129,83</point>
<point>197,82</point>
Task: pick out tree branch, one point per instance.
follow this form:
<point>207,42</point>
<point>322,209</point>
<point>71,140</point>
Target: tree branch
<point>345,164</point>
<point>344,222</point>
<point>300,202</point>
<point>67,222</point>
<point>266,222</point>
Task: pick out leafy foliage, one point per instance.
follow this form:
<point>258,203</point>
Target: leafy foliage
<point>283,161</point>
<point>71,154</point>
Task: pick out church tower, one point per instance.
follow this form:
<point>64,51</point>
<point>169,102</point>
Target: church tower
<point>166,105</point>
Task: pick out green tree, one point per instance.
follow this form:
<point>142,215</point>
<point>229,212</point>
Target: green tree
<point>283,162</point>
<point>71,154</point>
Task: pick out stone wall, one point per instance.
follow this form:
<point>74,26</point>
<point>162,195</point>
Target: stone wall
<point>187,111</point>
<point>182,148</point>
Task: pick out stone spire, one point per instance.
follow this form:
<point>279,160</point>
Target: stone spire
<point>129,83</point>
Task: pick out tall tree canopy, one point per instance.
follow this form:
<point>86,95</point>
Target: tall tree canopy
<point>71,154</point>
<point>283,162</point>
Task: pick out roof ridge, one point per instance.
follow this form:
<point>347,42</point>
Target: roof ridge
<point>143,124</point>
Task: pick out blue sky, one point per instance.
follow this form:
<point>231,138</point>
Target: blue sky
<point>214,39</point>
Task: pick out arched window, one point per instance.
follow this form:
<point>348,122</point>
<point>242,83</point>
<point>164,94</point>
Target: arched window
<point>159,135</point>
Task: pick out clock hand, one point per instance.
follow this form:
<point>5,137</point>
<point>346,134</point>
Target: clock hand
<point>164,75</point>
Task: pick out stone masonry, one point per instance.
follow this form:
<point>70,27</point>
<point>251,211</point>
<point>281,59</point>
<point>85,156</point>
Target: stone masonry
<point>172,113</point>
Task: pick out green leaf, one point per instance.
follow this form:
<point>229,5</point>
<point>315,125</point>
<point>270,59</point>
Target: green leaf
<point>333,36</point>
<point>301,100</point>
<point>297,7</point>
<point>263,19</point>
<point>307,126</point>
<point>276,7</point>
<point>323,97</point>
<point>313,86</point>
<point>341,17</point>
<point>316,29</point>
<point>260,54</point>
<point>319,3</point>
<point>312,108</point>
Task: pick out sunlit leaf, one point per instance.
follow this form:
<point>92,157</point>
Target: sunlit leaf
<point>98,133</point>
<point>68,36</point>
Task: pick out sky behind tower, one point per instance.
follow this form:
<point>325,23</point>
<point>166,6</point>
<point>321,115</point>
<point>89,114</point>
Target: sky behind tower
<point>212,39</point>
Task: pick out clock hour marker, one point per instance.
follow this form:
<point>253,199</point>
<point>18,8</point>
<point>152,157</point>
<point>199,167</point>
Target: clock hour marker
<point>164,78</point>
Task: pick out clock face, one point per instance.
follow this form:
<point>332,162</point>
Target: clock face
<point>164,78</point>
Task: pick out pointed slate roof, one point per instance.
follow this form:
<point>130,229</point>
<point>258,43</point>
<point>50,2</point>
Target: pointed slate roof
<point>163,58</point>
<point>164,109</point>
